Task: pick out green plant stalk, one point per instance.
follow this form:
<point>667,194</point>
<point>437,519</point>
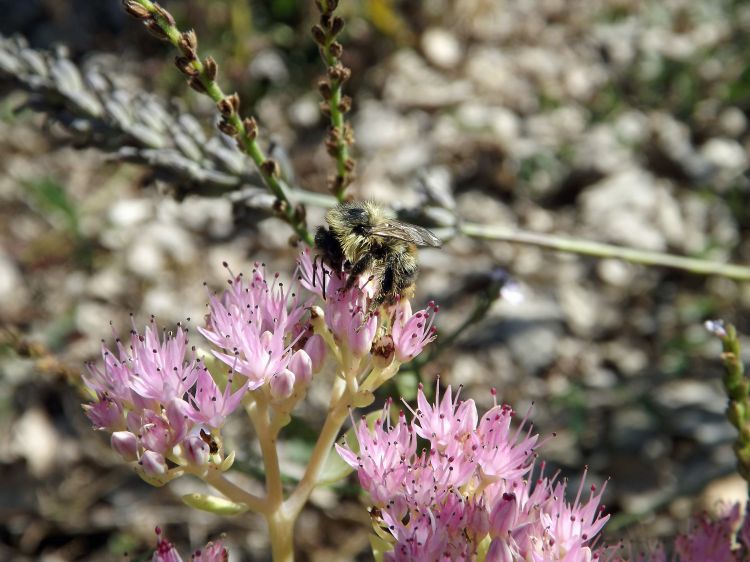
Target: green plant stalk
<point>337,122</point>
<point>601,250</point>
<point>250,145</point>
<point>737,387</point>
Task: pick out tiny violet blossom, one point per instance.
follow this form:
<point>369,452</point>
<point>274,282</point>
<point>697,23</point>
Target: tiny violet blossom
<point>471,486</point>
<point>166,552</point>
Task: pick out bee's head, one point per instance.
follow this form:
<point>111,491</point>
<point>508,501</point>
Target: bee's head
<point>355,218</point>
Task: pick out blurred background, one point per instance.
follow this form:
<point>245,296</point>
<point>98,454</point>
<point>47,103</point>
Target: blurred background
<point>621,121</point>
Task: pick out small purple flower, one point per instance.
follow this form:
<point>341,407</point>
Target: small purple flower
<point>166,552</point>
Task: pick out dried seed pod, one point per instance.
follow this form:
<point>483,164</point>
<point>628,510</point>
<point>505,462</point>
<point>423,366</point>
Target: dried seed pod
<point>227,128</point>
<point>251,128</point>
<point>337,24</point>
<point>210,68</point>
<point>164,14</point>
<point>324,87</point>
<point>196,84</point>
<point>280,206</point>
<point>346,104</point>
<point>225,107</point>
<point>188,44</point>
<point>134,9</point>
<point>271,168</point>
<point>185,66</point>
<point>319,36</point>
<point>336,49</point>
<point>155,29</point>
<point>350,165</point>
<point>325,108</point>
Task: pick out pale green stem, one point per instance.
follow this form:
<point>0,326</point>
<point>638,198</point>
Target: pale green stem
<point>600,250</point>
<point>257,410</point>
<point>281,533</point>
<point>335,419</point>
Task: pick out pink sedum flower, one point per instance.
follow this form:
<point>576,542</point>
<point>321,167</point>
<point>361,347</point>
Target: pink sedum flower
<point>470,486</point>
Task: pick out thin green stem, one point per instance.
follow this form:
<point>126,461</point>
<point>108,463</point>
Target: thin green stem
<point>600,250</point>
<point>246,138</point>
<point>336,104</point>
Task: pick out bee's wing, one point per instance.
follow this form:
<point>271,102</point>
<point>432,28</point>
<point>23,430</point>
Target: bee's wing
<point>408,232</point>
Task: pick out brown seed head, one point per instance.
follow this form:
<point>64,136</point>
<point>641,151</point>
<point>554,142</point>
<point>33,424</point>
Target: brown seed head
<point>164,14</point>
<point>188,44</point>
<point>251,128</point>
<point>134,9</point>
<point>227,128</point>
<point>271,168</point>
<point>196,84</point>
<point>210,68</point>
<point>345,105</point>
<point>185,66</point>
<point>336,49</point>
<point>319,36</point>
<point>337,24</point>
<point>155,29</point>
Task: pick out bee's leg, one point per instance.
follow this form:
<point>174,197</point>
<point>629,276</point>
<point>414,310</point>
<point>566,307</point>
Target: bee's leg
<point>358,268</point>
<point>385,290</point>
<point>329,247</point>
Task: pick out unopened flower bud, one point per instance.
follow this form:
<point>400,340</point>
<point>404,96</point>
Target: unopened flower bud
<point>337,24</point>
<point>155,29</point>
<point>196,84</point>
<point>302,367</point>
<point>153,464</point>
<point>126,444</point>
<point>164,14</point>
<point>383,351</point>
<point>315,347</point>
<point>503,517</point>
<point>336,49</point>
<point>271,168</point>
<point>251,128</point>
<point>282,385</point>
<point>499,551</point>
<point>196,451</point>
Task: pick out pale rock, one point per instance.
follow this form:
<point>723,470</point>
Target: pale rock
<point>441,47</point>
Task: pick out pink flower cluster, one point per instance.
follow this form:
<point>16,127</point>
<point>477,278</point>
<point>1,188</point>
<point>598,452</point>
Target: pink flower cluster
<point>725,538</point>
<point>160,402</point>
<point>166,552</point>
<point>346,313</point>
<point>155,399</point>
<point>468,496</point>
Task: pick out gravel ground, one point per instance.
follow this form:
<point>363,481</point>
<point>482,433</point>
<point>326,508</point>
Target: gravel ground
<point>613,121</point>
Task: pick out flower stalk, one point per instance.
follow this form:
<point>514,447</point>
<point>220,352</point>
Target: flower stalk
<point>201,76</point>
<point>335,104</point>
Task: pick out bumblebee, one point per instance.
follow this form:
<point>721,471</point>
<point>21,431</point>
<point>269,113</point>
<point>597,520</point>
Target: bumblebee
<point>360,237</point>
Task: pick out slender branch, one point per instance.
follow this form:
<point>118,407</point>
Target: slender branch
<point>202,78</point>
<point>335,419</point>
<point>217,480</point>
<point>257,410</point>
<point>601,250</point>
<point>336,104</point>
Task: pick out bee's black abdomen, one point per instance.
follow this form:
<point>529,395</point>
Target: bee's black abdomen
<point>330,247</point>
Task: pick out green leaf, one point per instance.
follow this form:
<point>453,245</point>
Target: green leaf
<point>214,504</point>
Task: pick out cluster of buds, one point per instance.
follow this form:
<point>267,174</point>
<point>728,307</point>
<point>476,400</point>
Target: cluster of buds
<point>161,405</point>
<point>335,105</point>
<point>469,496</point>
